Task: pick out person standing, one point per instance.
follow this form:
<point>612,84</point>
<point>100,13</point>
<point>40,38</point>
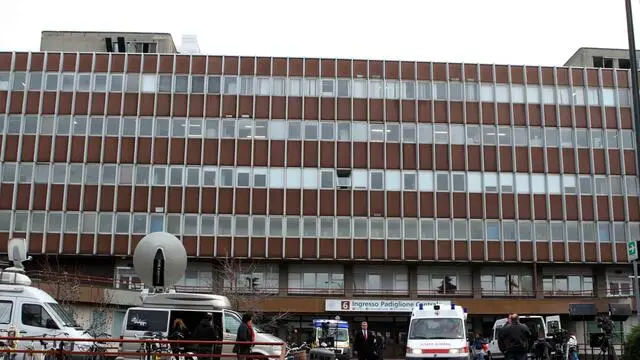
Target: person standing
<point>179,331</point>
<point>513,339</point>
<point>205,331</point>
<point>246,334</point>
<point>365,343</point>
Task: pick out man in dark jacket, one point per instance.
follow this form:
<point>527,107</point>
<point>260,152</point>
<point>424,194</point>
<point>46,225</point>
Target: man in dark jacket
<point>207,332</point>
<point>246,334</point>
<point>364,346</point>
<point>513,339</point>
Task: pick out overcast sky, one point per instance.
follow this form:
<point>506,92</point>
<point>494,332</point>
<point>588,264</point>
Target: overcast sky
<point>544,32</point>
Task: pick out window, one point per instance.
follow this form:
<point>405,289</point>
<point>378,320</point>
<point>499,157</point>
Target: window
<point>442,181</point>
<point>506,182</point>
<point>230,85</point>
<point>568,285</point>
<point>243,177</point>
<point>275,226</point>
<point>122,223</point>
<point>148,320</point>
<point>493,230</point>
<point>326,227</point>
<point>37,316</point>
<point>224,225</point>
<point>100,83</point>
<point>6,309</point>
<point>139,224</point>
<point>149,83</point>
<point>309,227</point>
<point>213,85</point>
<point>226,177</point>
<point>37,222</point>
<point>246,85</point>
<point>293,226</point>
<point>360,89</point>
<point>295,87</point>
<point>310,87</point>
<point>4,81</point>
<point>441,134</point>
<point>409,181</point>
<point>231,323</point>
<point>486,92</point>
<point>377,180</point>
<point>197,84</point>
<point>327,87</point>
<point>259,177</point>
<point>326,179</point>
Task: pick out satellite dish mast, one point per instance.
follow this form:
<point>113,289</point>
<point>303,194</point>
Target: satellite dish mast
<point>160,261</point>
<point>17,252</point>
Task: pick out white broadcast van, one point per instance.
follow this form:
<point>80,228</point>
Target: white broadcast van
<point>160,261</point>
<point>159,311</point>
<point>31,312</point>
<point>437,332</point>
<point>538,325</point>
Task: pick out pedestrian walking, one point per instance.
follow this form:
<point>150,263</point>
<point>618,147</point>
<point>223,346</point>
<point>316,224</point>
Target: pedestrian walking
<point>364,347</point>
<point>247,334</point>
<point>513,339</point>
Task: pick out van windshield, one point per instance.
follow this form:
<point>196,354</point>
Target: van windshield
<point>436,328</point>
<point>339,334</point>
<point>536,325</point>
<point>63,314</point>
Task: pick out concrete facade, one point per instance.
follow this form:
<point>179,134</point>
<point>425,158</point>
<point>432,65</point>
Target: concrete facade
<point>600,58</point>
<point>87,41</point>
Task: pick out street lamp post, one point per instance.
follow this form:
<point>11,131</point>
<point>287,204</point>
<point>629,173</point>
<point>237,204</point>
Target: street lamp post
<point>635,96</point>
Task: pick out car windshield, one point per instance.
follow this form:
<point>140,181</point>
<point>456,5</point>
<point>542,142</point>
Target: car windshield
<point>436,328</point>
<point>340,334</point>
<point>63,315</point>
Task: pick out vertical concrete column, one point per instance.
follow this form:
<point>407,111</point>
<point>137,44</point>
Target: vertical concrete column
<point>283,279</point>
<point>537,282</point>
<point>476,283</point>
<point>348,280</point>
<point>413,281</point>
<point>600,286</point>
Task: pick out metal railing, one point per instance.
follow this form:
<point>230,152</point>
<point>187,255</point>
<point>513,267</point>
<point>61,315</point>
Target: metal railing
<point>145,352</point>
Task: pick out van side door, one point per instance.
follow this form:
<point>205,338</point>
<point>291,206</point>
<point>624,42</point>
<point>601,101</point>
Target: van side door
<point>231,323</point>
<point>35,320</point>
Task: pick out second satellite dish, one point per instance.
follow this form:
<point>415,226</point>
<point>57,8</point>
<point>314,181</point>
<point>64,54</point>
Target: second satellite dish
<point>160,260</point>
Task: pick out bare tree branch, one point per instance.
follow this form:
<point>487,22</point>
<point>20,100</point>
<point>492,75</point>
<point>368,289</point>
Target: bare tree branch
<point>237,280</point>
<point>102,316</point>
<point>63,280</point>
<point>64,283</point>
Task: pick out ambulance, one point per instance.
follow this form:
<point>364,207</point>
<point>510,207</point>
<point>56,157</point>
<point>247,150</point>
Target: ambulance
<point>437,332</point>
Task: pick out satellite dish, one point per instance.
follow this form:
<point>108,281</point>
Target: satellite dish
<point>160,260</point>
<point>17,252</point>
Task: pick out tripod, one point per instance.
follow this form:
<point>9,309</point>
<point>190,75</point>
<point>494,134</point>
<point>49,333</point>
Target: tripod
<point>607,351</point>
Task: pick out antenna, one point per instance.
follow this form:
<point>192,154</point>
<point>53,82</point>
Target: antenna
<point>17,252</point>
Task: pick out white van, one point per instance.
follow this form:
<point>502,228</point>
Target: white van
<point>34,313</point>
<point>437,332</point>
<point>158,312</point>
<point>538,325</point>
